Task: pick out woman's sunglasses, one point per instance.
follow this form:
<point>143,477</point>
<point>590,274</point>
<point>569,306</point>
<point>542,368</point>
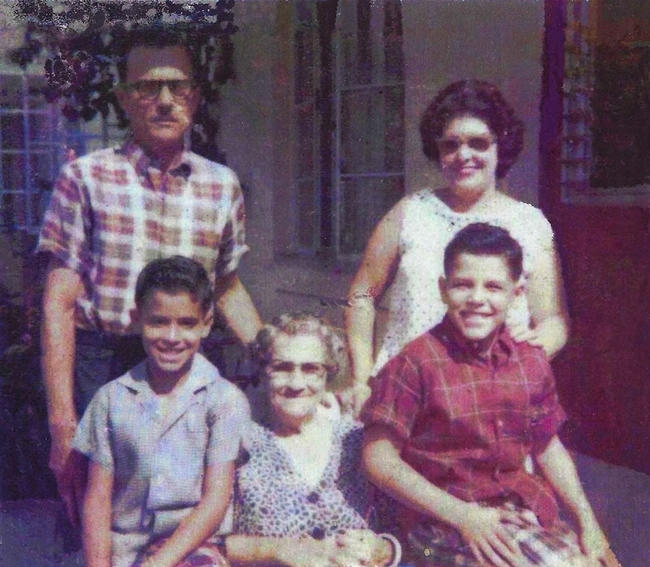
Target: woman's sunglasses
<point>476,143</point>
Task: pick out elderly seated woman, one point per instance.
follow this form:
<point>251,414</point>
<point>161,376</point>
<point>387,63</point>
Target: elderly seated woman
<point>300,499</point>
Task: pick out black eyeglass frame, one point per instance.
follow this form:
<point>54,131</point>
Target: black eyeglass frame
<point>288,367</point>
<point>186,86</point>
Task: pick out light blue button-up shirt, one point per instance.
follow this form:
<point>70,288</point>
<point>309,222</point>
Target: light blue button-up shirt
<point>158,460</point>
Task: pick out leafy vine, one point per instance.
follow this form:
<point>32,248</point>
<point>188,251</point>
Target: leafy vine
<point>82,40</point>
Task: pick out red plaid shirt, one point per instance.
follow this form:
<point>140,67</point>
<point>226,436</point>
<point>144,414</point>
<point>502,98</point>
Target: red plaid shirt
<point>113,211</point>
<point>468,422</point>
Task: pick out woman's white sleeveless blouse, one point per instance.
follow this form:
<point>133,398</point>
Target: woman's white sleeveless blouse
<point>412,304</point>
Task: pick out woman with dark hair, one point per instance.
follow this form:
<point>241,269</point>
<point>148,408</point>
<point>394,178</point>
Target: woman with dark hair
<point>473,135</point>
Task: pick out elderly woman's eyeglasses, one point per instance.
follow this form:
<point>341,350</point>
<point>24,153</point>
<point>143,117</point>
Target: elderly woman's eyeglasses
<point>150,90</point>
<point>285,367</point>
<point>476,143</point>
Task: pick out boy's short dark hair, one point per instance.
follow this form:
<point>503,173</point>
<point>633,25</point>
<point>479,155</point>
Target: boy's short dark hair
<point>483,239</point>
<point>174,274</point>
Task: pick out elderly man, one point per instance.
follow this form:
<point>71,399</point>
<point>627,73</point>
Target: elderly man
<point>114,210</point>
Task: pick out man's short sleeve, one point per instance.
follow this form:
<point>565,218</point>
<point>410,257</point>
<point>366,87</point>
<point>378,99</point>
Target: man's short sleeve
<point>547,413</point>
<point>233,238</point>
<point>93,436</point>
<point>64,229</point>
<point>396,397</point>
<point>228,421</point>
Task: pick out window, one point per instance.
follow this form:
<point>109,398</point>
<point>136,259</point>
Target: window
<point>606,116</point>
<point>30,150</point>
<point>34,141</point>
<point>349,122</point>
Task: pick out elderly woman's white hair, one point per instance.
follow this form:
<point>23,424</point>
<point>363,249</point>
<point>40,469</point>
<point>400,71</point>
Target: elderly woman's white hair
<point>293,324</point>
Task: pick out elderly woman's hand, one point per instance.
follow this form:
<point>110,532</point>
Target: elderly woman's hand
<point>354,548</point>
<point>364,548</point>
<point>310,552</point>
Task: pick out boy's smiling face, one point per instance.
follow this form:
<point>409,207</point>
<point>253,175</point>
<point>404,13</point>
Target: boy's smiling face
<point>478,291</point>
<point>172,326</point>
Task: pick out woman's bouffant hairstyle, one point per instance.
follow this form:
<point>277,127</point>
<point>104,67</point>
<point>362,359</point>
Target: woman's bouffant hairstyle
<point>293,324</point>
<point>482,100</point>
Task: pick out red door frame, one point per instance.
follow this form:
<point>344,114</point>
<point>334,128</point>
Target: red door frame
<point>604,371</point>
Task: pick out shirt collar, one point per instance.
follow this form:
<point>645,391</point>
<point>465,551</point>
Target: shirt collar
<point>181,164</point>
<point>503,346</point>
<point>200,375</point>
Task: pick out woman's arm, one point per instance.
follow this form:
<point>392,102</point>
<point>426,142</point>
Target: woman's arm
<point>559,470</point>
<point>236,307</point>
<point>202,521</point>
<point>481,527</point>
<point>373,277</point>
<point>96,516</point>
<point>547,306</point>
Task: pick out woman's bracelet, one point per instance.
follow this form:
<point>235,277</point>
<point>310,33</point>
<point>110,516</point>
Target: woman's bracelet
<point>360,298</point>
<point>397,549</point>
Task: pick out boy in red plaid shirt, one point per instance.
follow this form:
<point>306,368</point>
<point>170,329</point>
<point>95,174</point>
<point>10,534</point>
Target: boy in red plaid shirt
<point>453,416</point>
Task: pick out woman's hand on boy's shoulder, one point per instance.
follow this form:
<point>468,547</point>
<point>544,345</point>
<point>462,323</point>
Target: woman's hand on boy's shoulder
<point>352,398</point>
<point>550,334</point>
<point>521,333</point>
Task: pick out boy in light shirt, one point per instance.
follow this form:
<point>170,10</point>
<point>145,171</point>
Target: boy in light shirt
<point>163,438</point>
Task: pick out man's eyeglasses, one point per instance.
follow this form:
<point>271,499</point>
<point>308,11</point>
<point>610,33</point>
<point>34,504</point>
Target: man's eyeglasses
<point>285,367</point>
<point>476,143</point>
<point>150,90</point>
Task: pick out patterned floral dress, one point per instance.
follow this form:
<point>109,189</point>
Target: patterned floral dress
<point>273,499</point>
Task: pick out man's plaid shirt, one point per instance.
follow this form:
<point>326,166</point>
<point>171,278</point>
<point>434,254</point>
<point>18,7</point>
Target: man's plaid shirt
<point>113,211</point>
<point>468,422</point>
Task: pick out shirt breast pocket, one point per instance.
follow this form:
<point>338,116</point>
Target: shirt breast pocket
<point>196,426</point>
